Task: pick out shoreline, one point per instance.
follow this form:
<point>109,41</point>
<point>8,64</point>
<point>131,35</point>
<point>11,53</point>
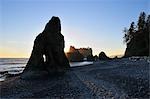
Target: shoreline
<point>110,79</point>
<point>12,73</point>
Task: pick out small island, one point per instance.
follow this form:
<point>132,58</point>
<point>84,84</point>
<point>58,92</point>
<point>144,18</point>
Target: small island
<point>81,54</point>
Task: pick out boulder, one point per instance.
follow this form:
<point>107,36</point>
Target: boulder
<point>48,55</point>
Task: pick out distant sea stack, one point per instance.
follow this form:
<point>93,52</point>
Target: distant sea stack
<point>103,56</point>
<point>48,55</point>
<point>81,54</point>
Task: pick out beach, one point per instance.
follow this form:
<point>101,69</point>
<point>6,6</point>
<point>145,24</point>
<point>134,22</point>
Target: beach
<point>112,79</point>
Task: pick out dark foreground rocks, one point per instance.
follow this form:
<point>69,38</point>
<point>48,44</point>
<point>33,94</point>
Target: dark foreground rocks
<point>118,79</point>
<point>48,55</point>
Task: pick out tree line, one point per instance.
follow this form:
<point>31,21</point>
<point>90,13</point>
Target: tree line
<point>136,37</point>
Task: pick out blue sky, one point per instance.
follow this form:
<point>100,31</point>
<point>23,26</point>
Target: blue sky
<point>85,23</point>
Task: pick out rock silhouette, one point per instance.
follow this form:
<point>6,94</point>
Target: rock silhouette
<point>48,55</point>
<point>102,56</point>
<point>79,54</point>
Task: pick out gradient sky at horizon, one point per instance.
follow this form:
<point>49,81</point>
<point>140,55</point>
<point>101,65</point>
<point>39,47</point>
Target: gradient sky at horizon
<point>85,23</point>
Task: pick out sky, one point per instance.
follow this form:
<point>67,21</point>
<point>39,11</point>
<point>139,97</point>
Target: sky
<point>85,23</point>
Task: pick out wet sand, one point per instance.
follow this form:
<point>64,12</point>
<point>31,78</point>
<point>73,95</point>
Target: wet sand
<point>120,78</point>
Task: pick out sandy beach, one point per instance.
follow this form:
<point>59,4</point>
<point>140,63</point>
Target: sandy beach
<point>114,79</point>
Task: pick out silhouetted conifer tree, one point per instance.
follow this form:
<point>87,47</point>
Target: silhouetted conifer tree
<point>129,34</point>
<point>137,39</point>
<point>141,21</point>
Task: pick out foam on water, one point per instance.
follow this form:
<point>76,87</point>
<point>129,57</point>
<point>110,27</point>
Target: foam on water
<point>74,64</point>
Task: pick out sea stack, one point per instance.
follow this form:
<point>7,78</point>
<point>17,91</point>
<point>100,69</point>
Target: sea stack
<point>103,56</point>
<point>48,55</point>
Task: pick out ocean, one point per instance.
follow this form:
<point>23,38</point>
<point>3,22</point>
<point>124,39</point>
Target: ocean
<point>12,66</point>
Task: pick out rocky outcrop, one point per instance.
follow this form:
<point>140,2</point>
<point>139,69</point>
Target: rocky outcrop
<point>80,54</point>
<point>102,56</point>
<point>48,55</point>
<point>74,55</point>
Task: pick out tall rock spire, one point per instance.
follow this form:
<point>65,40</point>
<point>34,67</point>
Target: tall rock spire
<point>49,45</point>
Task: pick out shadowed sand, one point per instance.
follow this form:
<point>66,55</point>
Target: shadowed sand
<point>120,78</point>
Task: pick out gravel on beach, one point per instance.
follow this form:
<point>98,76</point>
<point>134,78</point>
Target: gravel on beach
<point>113,79</point>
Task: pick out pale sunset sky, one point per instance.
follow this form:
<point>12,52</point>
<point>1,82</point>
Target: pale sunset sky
<point>85,23</point>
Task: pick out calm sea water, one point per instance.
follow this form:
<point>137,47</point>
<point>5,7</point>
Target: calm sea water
<point>17,65</point>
